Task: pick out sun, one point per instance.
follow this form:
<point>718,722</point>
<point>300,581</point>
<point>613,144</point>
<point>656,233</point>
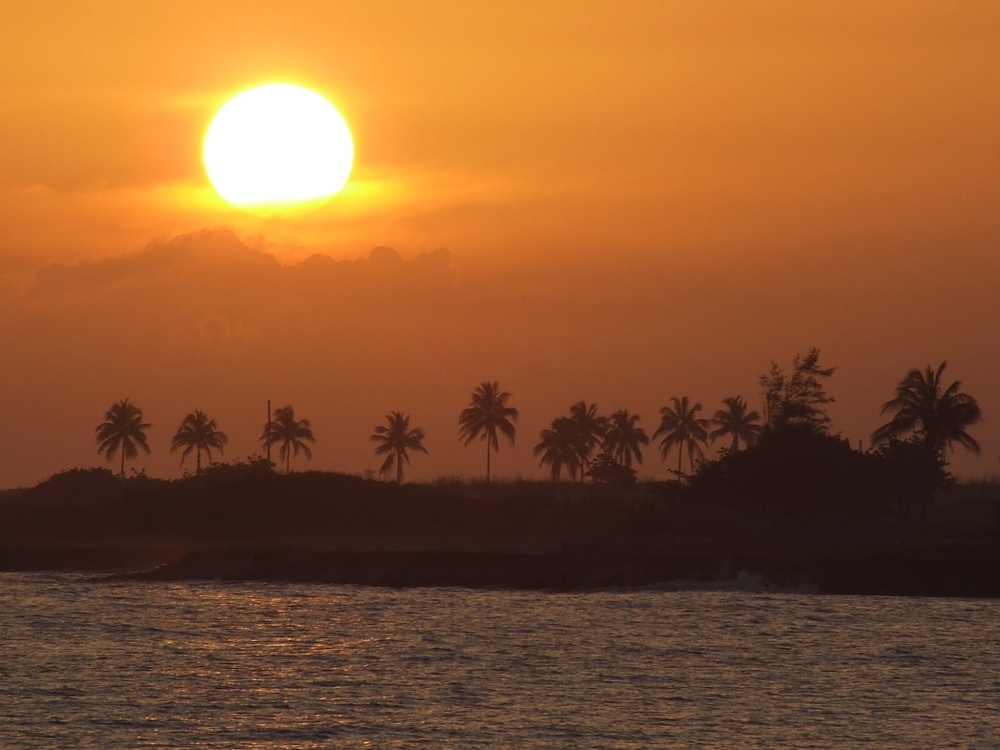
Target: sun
<point>278,146</point>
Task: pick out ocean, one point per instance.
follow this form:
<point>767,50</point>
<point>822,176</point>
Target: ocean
<point>94,664</point>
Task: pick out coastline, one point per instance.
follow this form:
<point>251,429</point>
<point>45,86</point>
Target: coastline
<point>333,528</point>
<point>584,570</point>
<point>558,571</point>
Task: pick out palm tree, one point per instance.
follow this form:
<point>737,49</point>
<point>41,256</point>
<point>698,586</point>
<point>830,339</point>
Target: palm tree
<point>290,433</point>
<point>395,440</point>
<point>744,426</point>
<point>559,446</point>
<point>122,429</point>
<point>623,438</point>
<point>590,429</point>
<point>487,413</point>
<point>935,415</point>
<point>681,426</point>
<point>198,433</point>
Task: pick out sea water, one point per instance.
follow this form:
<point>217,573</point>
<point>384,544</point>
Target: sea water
<point>89,664</point>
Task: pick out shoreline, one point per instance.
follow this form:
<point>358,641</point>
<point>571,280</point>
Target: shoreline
<point>558,571</point>
<point>239,523</point>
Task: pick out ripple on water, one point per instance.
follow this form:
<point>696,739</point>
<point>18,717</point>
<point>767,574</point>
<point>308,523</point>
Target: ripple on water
<point>208,665</point>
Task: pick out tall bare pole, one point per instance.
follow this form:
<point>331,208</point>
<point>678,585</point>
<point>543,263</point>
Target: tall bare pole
<point>268,422</point>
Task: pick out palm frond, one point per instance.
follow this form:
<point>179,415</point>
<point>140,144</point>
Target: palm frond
<point>387,465</point>
<point>937,416</point>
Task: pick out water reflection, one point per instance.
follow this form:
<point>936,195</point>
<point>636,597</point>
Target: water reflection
<point>277,666</point>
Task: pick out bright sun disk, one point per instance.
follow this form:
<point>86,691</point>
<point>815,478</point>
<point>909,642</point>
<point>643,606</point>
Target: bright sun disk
<point>277,146</point>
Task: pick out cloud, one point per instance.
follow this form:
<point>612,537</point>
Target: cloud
<point>215,268</point>
<point>217,334</point>
<point>201,250</point>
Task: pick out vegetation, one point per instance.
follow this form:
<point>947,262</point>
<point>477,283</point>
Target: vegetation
<point>122,430</point>
<point>623,439</point>
<point>793,464</point>
<point>605,469</point>
<point>561,445</point>
<point>591,428</point>
<point>796,466</point>
<point>291,434</point>
<point>785,496</point>
<point>249,520</point>
<point>787,462</point>
<point>797,398</point>
<point>570,441</point>
<point>487,414</point>
<point>198,433</point>
<point>793,470</point>
<point>936,416</point>
<point>681,426</point>
<point>737,422</point>
<point>395,439</point>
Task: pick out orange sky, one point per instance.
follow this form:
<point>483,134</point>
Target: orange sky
<point>638,200</point>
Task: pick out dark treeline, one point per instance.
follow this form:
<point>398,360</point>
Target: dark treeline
<point>245,520</point>
<point>249,502</point>
<point>796,463</point>
<point>783,456</point>
<point>785,459</point>
<point>246,502</point>
<point>784,492</point>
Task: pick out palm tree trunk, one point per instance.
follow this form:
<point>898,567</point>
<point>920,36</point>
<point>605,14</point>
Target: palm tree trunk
<point>399,468</point>
<point>680,455</point>
<point>197,461</point>
<point>121,473</point>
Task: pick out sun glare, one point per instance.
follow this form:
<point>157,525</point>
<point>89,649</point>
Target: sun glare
<point>278,146</point>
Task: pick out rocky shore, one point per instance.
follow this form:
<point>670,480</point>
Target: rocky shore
<point>585,570</point>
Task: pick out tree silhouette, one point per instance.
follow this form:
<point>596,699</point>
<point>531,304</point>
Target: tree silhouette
<point>292,434</point>
<point>124,430</point>
<point>681,426</point>
<point>742,425</point>
<point>623,438</point>
<point>797,399</point>
<point>198,433</point>
<point>590,428</point>
<point>935,415</point>
<point>394,440</point>
<point>486,414</point>
<point>606,470</point>
<point>561,445</point>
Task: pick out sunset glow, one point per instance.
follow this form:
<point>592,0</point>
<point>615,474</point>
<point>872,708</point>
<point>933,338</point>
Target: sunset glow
<point>278,145</point>
<point>515,374</point>
<point>618,204</point>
